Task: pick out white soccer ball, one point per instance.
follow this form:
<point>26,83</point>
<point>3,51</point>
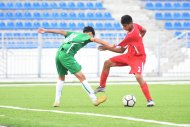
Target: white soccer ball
<point>129,100</point>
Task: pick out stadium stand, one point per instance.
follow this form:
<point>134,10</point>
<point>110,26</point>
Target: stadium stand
<point>68,15</point>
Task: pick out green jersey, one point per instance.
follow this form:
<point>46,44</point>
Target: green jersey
<point>74,41</point>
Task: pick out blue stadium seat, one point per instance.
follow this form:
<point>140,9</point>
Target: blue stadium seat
<point>2,5</point>
<point>81,16</point>
<point>186,16</point>
<point>64,15</point>
<point>81,5</point>
<point>80,25</point>
<point>158,6</point>
<point>108,26</point>
<point>159,16</point>
<point>55,16</point>
<point>9,15</point>
<point>63,5</point>
<point>107,16</point>
<point>177,16</point>
<point>177,6</point>
<point>28,25</point>
<point>53,5</point>
<point>186,6</point>
<point>71,5</point>
<point>186,25</point>
<point>54,25</point>
<point>149,6</point>
<point>168,16</point>
<point>18,5</point>
<point>167,6</point>
<point>90,5</point>
<point>45,5</point>
<point>37,15</point>
<point>36,5</point>
<point>99,26</point>
<point>98,16</point>
<point>9,6</point>
<point>36,25</point>
<point>18,15</point>
<point>73,16</point>
<point>117,26</point>
<point>90,24</point>
<point>46,15</point>
<point>19,25</point>
<point>2,25</point>
<point>99,5</point>
<point>63,25</point>
<point>10,25</point>
<point>27,15</point>
<point>27,5</point>
<point>177,26</point>
<point>72,25</point>
<point>45,25</point>
<point>168,26</point>
<point>2,16</point>
<point>90,16</point>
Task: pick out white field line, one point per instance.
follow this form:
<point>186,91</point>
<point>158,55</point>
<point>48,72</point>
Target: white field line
<point>99,115</point>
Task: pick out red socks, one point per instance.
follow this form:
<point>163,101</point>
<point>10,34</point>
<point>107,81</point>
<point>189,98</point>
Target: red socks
<point>145,91</point>
<point>103,79</point>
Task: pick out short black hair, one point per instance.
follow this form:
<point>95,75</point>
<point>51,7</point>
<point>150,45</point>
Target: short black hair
<point>126,19</point>
<point>89,29</point>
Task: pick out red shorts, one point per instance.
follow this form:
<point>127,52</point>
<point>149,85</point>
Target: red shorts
<point>135,62</point>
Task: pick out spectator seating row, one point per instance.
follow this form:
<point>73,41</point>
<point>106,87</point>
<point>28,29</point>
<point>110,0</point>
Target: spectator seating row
<point>167,5</point>
<point>178,33</point>
<point>55,16</point>
<point>61,25</point>
<point>57,36</point>
<point>34,44</point>
<point>50,5</point>
<point>177,25</point>
<point>172,16</point>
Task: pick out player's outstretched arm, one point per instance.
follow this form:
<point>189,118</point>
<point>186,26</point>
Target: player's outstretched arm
<point>113,49</point>
<point>42,30</point>
<point>102,42</point>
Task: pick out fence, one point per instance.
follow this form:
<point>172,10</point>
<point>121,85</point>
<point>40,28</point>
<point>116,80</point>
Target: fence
<point>33,55</point>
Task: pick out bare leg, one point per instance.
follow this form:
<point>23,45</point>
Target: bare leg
<point>144,86</point>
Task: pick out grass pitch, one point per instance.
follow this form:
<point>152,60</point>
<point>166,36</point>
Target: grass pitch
<point>172,105</point>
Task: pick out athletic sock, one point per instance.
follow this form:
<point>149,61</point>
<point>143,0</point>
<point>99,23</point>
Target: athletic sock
<point>59,87</point>
<point>89,90</point>
<point>103,79</point>
<point>145,90</point>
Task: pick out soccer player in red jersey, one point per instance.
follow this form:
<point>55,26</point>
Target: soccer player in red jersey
<point>135,56</point>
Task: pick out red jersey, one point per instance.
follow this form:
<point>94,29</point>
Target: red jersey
<point>133,41</point>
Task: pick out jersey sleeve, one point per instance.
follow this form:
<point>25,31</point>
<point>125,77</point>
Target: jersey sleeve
<point>122,43</point>
<point>139,27</point>
<point>86,38</point>
<point>68,33</point>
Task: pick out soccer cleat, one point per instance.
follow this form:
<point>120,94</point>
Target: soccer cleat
<point>99,89</point>
<point>150,103</point>
<point>100,100</point>
<point>56,104</point>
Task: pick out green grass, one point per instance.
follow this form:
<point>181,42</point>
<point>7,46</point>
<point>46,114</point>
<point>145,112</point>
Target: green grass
<point>172,105</point>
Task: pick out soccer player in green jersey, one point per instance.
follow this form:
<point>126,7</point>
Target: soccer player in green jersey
<point>65,60</point>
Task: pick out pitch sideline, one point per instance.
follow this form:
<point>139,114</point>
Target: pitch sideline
<point>99,115</point>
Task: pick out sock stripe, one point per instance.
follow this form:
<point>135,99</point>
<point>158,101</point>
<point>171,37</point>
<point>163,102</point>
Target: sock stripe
<point>86,88</point>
